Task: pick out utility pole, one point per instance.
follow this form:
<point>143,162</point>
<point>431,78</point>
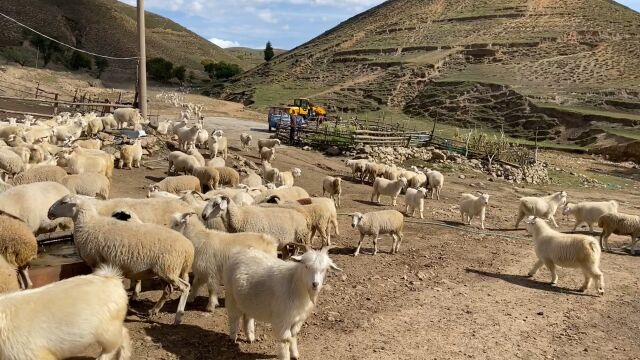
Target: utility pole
<point>142,65</point>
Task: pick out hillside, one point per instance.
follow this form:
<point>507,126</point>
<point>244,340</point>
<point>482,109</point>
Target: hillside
<point>552,65</point>
<point>108,27</point>
<point>252,57</point>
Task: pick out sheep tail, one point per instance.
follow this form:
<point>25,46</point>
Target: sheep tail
<point>614,206</point>
<point>109,272</point>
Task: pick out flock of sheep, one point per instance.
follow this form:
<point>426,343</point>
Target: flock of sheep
<point>223,225</point>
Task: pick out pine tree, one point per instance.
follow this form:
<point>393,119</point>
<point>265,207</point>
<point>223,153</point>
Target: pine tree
<point>268,52</point>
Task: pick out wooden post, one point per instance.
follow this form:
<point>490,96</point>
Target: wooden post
<point>37,90</point>
<point>142,65</point>
<point>55,104</point>
<point>119,98</point>
<point>75,95</point>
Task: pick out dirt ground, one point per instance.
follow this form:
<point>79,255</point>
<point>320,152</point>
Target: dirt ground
<point>451,292</point>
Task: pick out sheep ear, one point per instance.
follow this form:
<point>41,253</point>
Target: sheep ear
<point>224,204</point>
<point>296,258</point>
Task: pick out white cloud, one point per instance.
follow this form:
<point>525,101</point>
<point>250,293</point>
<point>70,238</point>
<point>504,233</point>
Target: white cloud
<point>267,16</point>
<point>224,43</point>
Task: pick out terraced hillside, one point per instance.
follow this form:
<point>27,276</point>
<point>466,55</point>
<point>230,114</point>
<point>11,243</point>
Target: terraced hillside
<point>108,27</point>
<point>516,64</point>
<point>252,57</point>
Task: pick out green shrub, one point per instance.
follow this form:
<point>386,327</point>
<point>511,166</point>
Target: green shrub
<point>78,60</point>
<point>160,69</point>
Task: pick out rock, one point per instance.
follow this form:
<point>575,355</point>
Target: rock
<point>333,151</point>
<point>461,176</point>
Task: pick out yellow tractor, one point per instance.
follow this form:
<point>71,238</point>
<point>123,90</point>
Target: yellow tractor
<point>303,107</point>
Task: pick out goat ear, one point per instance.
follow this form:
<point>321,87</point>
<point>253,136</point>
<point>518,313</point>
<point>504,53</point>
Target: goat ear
<point>333,267</point>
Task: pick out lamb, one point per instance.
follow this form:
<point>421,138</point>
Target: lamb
<point>216,162</point>
<point>229,176</point>
<point>139,250</point>
<point>377,223</point>
<point>64,133</point>
<point>89,161</point>
<point>89,184</point>
<point>109,122</point>
<point>94,144</point>
<point>8,277</point>
<point>258,219</point>
<point>180,162</point>
<point>269,173</point>
<point>202,138</point>
<point>129,116</point>
<point>245,140</point>
<point>209,177</point>
<point>287,178</point>
<point>187,136</point>
<point>94,126</point>
<point>175,184</point>
<point>414,199</point>
<point>418,180</point>
<point>212,251</point>
<point>332,186</point>
<point>358,167</point>
<point>130,155</point>
<point>260,287</point>
<point>382,186</point>
<point>267,154</point>
<point>589,212</point>
<point>218,144</point>
<point>164,126</point>
<point>18,246</point>
<point>63,319</point>
<point>30,203</point>
<point>373,170</point>
<point>543,207</point>
<point>40,174</point>
<point>554,248</point>
<point>267,143</point>
<point>619,224</point>
<point>434,183</point>
<point>10,162</point>
<point>471,205</point>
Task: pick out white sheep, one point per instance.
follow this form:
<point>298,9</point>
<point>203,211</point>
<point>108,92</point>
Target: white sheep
<point>94,126</point>
<point>216,162</point>
<point>139,250</point>
<point>95,144</point>
<point>180,162</point>
<point>89,184</point>
<point>212,250</point>
<point>109,122</point>
<point>40,174</point>
<point>187,136</point>
<point>202,138</point>
<point>196,154</point>
<point>554,248</point>
<point>176,184</point>
<point>269,173</point>
<point>63,319</point>
<point>382,186</point>
<point>245,140</point>
<point>589,211</point>
<point>374,170</point>
<point>434,183</point>
<point>267,143</point>
<point>358,167</point>
<point>332,186</point>
<point>164,126</point>
<point>252,180</point>
<point>268,154</point>
<point>218,144</point>
<point>157,194</point>
<point>10,162</point>
<point>414,199</point>
<point>543,207</point>
<point>130,155</point>
<point>619,224</point>
<point>127,116</point>
<point>259,219</point>
<point>152,210</point>
<point>65,133</point>
<point>89,161</point>
<point>31,202</point>
<point>471,206</point>
<point>287,178</point>
<point>377,223</point>
<point>282,293</point>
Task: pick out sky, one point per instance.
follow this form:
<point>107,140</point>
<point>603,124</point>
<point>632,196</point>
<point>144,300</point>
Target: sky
<point>251,23</point>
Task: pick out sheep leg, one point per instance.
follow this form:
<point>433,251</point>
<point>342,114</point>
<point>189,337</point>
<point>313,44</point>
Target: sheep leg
<point>198,281</point>
<point>249,326</point>
<point>168,289</point>
<point>394,243</point>
<point>587,280</point>
<point>359,245</point>
<point>634,240</point>
<point>24,274</point>
<point>394,201</point>
<point>552,268</point>
<point>234,322</point>
<point>400,236</point>
<point>293,350</point>
<point>535,268</point>
<point>553,221</point>
<point>339,201</point>
<point>212,285</point>
<point>184,287</point>
<point>575,226</point>
<point>421,210</point>
<point>136,289</point>
<point>521,215</point>
<point>603,241</point>
<point>375,243</point>
<point>112,340</point>
<point>469,218</point>
<point>285,343</point>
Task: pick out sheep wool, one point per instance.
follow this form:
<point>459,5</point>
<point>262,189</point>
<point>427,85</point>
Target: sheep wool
<point>377,223</point>
<point>589,211</point>
<point>471,206</point>
<point>619,224</point>
<point>40,174</point>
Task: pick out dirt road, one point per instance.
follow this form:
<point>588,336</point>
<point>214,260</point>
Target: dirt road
<point>451,293</point>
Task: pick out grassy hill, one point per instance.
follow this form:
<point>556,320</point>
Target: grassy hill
<point>252,57</point>
<point>108,27</point>
<point>510,64</point>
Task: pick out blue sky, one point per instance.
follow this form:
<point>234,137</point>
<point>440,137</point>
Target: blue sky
<point>250,23</point>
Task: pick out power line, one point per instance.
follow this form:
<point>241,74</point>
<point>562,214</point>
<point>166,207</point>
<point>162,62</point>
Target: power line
<point>67,45</point>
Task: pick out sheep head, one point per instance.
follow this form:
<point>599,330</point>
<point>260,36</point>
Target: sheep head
<point>216,207</point>
<point>356,218</point>
<point>337,182</point>
<point>296,172</point>
<point>485,198</point>
<point>313,269</point>
<point>180,220</point>
<point>67,206</point>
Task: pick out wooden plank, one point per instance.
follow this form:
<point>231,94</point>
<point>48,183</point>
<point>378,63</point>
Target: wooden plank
<point>396,138</point>
<point>25,113</point>
<point>63,102</point>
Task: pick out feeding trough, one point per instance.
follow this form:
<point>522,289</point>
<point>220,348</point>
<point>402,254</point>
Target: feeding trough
<point>57,260</point>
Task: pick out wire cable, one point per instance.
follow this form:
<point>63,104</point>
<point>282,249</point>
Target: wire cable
<point>67,45</point>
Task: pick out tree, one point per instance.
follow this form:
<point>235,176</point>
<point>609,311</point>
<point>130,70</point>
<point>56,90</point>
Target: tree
<point>179,73</point>
<point>47,47</point>
<point>192,76</point>
<point>221,70</point>
<point>101,65</point>
<point>19,54</point>
<point>78,61</point>
<point>268,52</point>
<point>160,69</point>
